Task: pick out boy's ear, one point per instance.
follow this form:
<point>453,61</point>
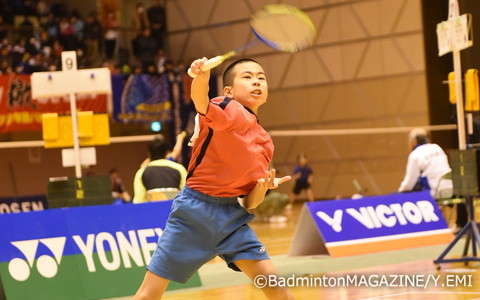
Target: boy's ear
<point>227,91</point>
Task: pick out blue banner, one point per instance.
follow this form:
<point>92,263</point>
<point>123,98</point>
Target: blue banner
<point>88,252</point>
<point>109,220</point>
<point>373,224</point>
<point>377,216</point>
<point>146,98</point>
<point>23,204</point>
<point>118,81</point>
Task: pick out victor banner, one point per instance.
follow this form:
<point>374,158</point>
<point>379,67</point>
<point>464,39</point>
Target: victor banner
<point>370,224</point>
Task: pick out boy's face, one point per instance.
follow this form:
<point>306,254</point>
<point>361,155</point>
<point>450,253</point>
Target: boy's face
<point>250,86</point>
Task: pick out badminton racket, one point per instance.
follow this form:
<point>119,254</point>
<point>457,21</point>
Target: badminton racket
<point>280,26</point>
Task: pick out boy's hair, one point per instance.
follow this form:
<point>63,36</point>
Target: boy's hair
<point>228,75</point>
<point>158,147</point>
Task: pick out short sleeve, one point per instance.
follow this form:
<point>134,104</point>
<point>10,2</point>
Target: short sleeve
<point>221,116</point>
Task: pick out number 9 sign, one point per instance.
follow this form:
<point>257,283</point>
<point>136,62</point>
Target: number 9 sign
<point>69,61</point>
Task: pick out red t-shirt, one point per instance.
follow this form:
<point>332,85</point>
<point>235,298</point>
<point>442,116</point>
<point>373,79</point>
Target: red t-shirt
<point>232,150</point>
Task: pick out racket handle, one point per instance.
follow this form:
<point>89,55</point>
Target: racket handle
<point>209,64</point>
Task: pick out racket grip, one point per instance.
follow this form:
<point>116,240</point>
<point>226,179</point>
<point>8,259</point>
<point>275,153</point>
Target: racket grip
<point>209,64</point>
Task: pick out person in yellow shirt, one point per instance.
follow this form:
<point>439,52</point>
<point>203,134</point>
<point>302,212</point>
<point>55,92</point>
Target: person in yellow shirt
<point>158,172</point>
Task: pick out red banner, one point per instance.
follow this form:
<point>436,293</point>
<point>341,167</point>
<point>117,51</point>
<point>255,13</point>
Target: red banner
<point>19,112</point>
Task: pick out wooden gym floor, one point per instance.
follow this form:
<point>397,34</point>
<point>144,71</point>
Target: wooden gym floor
<point>459,281</point>
<point>452,281</point>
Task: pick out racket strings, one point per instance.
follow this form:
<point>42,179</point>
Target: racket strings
<point>283,27</point>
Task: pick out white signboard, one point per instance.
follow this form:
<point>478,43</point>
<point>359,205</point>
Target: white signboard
<point>455,34</point>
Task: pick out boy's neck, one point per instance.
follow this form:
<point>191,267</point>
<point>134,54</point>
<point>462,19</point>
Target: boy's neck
<point>251,110</point>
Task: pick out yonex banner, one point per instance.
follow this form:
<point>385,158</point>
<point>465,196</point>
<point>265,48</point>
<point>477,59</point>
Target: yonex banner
<point>371,224</point>
<point>81,252</point>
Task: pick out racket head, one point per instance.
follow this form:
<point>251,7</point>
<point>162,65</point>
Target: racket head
<point>283,27</point>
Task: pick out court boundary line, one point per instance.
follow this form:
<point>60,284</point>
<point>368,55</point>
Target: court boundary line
<point>420,292</point>
<point>392,237</point>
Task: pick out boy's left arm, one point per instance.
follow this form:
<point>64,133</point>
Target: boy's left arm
<point>256,196</point>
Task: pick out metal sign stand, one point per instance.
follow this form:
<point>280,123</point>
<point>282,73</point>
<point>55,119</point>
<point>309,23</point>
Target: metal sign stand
<point>70,81</point>
<point>452,41</point>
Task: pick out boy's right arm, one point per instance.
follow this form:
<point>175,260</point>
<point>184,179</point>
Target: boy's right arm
<point>200,87</point>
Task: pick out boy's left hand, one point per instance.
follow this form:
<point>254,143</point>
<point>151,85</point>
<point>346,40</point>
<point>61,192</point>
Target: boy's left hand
<point>270,182</point>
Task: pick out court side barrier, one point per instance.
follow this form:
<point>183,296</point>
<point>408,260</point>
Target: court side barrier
<point>89,252</point>
<point>370,224</point>
<point>17,204</point>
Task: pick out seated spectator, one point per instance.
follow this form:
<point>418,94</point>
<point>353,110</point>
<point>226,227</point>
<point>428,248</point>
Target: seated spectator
<point>427,163</point>
<point>3,29</point>
<point>92,37</point>
<point>50,25</point>
<point>78,25</point>
<point>140,18</point>
<point>25,28</point>
<point>17,53</point>
<point>66,34</point>
<point>119,194</point>
<point>145,49</point>
<point>110,24</point>
<point>58,8</point>
<point>43,8</point>
<point>36,63</point>
<point>158,21</point>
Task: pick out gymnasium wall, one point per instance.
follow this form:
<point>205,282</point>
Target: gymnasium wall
<point>26,171</point>
<point>366,69</point>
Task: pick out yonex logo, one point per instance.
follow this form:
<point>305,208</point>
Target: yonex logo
<point>47,265</point>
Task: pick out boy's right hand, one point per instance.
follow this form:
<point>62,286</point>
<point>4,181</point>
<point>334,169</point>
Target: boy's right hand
<point>196,66</point>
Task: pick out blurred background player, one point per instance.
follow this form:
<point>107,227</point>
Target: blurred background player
<point>303,176</point>
<point>159,171</point>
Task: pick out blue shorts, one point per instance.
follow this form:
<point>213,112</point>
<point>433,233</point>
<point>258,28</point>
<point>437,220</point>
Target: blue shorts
<point>199,228</point>
<point>300,186</point>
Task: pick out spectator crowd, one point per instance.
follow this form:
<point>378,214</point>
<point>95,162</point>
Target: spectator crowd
<point>33,34</point>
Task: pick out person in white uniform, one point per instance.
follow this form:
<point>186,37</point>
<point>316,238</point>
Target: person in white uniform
<point>427,163</point>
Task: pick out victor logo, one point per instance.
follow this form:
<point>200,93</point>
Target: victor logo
<point>383,215</point>
<point>46,265</point>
